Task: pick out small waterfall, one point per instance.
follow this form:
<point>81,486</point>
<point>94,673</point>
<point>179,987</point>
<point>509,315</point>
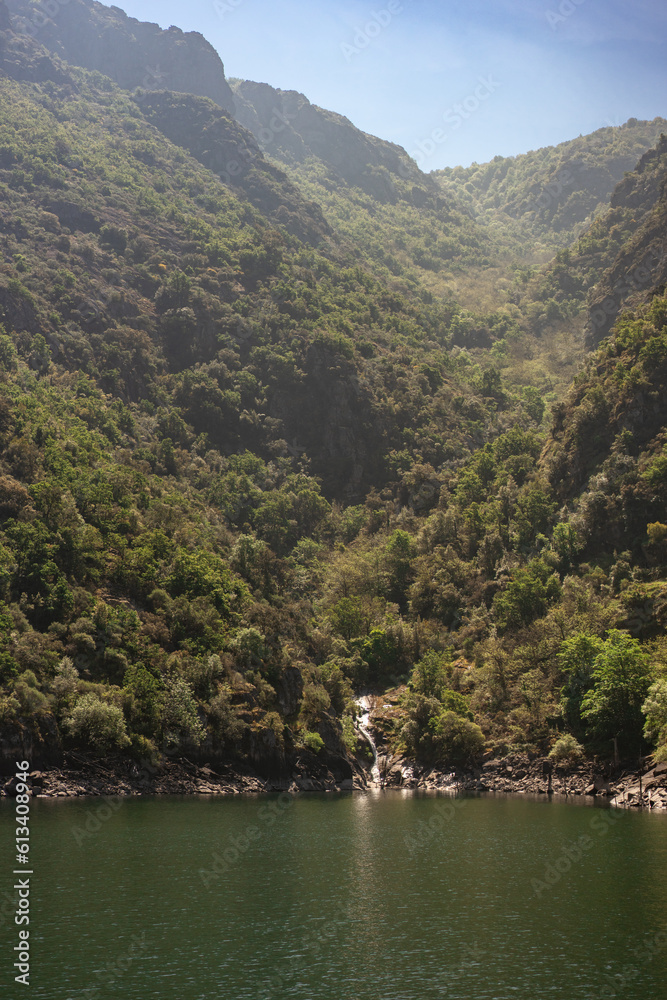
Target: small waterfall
<point>362,726</point>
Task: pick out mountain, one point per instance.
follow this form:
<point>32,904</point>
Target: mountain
<point>256,457</point>
<point>617,263</point>
<point>640,266</point>
<point>554,192</point>
<point>132,53</point>
<point>370,191</point>
<point>293,130</point>
<point>217,141</point>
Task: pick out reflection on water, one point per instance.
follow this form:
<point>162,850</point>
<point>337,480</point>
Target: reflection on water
<point>382,896</point>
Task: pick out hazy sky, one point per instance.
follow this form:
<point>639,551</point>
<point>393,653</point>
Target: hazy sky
<point>451,81</point>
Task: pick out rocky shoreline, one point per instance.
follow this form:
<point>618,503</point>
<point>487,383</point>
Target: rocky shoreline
<point>80,776</point>
<point>519,774</point>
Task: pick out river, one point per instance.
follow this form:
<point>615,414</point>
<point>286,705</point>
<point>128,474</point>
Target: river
<point>378,896</point>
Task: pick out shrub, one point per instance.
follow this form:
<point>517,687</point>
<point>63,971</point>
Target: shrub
<point>97,724</point>
<point>224,722</point>
<point>430,676</point>
<point>180,720</point>
<point>456,740</point>
<point>567,751</point>
<point>655,710</point>
<point>313,742</point>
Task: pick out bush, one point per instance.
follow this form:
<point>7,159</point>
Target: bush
<point>180,720</point>
<point>313,742</point>
<point>225,724</point>
<point>567,751</point>
<point>430,676</point>
<point>456,740</point>
<point>655,710</point>
<point>97,725</point>
<point>29,696</point>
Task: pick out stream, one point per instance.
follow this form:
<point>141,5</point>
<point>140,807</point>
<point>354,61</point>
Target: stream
<point>364,704</point>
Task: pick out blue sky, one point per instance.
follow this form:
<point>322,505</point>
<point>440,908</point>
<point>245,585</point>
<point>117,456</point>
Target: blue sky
<point>452,81</point>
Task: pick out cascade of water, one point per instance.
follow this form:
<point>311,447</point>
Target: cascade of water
<point>362,726</point>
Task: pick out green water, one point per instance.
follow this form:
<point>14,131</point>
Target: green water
<point>387,896</point>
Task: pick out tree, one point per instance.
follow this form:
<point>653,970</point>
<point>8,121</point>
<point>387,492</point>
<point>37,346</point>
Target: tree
<point>621,679</point>
<point>430,677</point>
<point>527,596</point>
<point>97,724</point>
<point>180,719</point>
<point>576,658</point>
<point>567,751</point>
<point>143,699</point>
<point>399,553</point>
<point>655,710</point>
<point>347,617</point>
<point>456,740</point>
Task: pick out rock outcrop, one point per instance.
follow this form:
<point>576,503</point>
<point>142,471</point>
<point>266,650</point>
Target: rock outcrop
<point>133,53</point>
<point>226,148</point>
<point>289,128</point>
<point>641,264</point>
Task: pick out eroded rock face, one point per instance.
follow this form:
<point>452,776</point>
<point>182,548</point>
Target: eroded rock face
<point>133,53</point>
<point>289,689</point>
<point>641,263</point>
<point>289,128</point>
<point>35,739</point>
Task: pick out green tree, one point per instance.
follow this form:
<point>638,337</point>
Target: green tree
<point>97,724</point>
<point>655,710</point>
<point>527,596</point>
<point>180,718</point>
<point>399,554</point>
<point>456,740</point>
<point>347,617</point>
<point>430,677</point>
<point>567,751</point>
<point>612,709</point>
<point>576,658</point>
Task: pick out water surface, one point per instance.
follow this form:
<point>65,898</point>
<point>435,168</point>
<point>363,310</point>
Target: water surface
<point>385,896</point>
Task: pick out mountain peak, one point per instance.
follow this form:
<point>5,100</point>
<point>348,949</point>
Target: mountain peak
<point>133,53</point>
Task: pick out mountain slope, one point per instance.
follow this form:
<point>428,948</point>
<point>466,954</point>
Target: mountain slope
<point>371,193</point>
<point>616,263</point>
<point>252,459</point>
<point>133,53</point>
<point>552,193</point>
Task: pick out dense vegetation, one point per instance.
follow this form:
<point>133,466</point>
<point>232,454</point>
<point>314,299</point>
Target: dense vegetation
<point>249,465</point>
<point>555,192</point>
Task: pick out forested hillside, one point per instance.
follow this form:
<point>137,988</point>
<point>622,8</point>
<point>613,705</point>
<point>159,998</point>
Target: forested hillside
<point>255,457</point>
<point>554,192</point>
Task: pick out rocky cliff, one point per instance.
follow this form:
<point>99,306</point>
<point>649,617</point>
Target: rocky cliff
<point>640,265</point>
<point>289,128</point>
<point>133,53</point>
<point>217,141</point>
